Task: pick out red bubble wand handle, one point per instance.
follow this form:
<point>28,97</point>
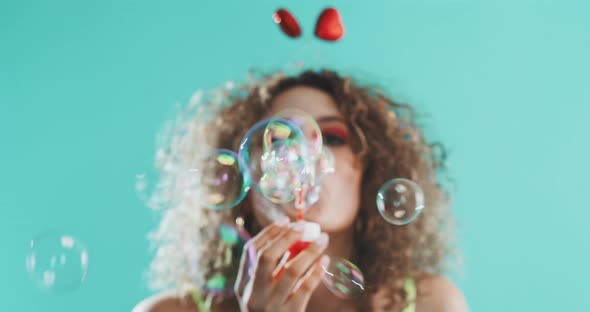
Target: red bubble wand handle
<point>310,232</point>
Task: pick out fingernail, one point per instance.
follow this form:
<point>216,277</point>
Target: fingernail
<point>325,261</point>
<point>322,241</point>
<point>281,221</point>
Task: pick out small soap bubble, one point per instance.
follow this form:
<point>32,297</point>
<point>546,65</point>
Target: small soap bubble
<point>57,262</point>
<point>400,201</point>
<point>278,130</point>
<point>282,155</point>
<point>279,186</point>
<point>343,278</point>
<point>270,143</point>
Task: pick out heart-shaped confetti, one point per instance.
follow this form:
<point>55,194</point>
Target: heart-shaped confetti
<point>287,22</point>
<point>329,26</point>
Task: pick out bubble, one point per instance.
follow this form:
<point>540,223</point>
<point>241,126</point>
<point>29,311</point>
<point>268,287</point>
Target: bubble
<point>279,130</point>
<point>223,179</point>
<point>312,195</point>
<point>287,171</point>
<point>313,179</point>
<point>57,262</point>
<point>282,155</point>
<point>343,278</point>
<point>400,201</point>
<point>317,160</point>
<point>285,158</point>
<point>307,124</point>
<point>283,147</point>
<point>279,186</point>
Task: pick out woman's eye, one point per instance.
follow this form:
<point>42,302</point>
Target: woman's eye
<point>333,140</point>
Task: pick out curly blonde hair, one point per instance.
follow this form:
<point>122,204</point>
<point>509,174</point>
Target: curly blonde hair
<point>384,135</point>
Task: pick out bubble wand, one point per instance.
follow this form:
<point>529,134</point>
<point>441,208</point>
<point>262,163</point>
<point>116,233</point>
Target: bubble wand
<point>310,231</point>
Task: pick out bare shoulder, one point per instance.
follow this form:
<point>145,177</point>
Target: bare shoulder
<point>436,293</point>
<point>168,301</point>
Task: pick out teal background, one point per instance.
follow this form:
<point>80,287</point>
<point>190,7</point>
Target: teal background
<point>84,86</point>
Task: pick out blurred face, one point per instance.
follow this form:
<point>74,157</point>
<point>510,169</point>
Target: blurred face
<point>339,200</point>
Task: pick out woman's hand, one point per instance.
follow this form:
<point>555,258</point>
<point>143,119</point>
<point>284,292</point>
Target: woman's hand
<point>265,289</point>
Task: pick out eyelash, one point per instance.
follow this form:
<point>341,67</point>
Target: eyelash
<point>333,140</point>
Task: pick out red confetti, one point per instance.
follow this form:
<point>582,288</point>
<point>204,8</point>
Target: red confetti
<point>329,26</point>
<point>287,22</point>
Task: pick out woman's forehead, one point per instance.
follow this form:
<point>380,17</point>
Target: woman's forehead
<point>315,102</point>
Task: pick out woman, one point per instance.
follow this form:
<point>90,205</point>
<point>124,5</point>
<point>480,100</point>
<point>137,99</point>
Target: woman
<point>373,139</point>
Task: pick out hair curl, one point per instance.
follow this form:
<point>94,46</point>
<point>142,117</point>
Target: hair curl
<point>384,135</point>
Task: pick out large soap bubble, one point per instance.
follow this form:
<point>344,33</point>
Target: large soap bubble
<point>224,180</point>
